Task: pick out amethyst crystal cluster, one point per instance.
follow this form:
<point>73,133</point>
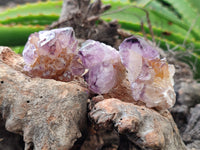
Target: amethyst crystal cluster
<point>53,54</point>
<point>150,77</point>
<point>100,60</point>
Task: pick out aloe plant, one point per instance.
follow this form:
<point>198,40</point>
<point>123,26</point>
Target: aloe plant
<point>168,29</point>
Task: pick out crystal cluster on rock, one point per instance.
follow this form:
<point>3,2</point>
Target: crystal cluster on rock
<point>150,77</point>
<point>100,60</point>
<point>53,54</point>
<point>137,64</point>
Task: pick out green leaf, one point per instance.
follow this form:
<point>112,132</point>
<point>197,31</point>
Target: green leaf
<point>131,14</point>
<point>17,34</point>
<point>189,10</point>
<point>141,3</point>
<point>18,49</point>
<point>40,19</point>
<point>47,8</point>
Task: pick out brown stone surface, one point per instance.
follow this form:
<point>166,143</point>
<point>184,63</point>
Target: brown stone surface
<point>191,134</point>
<point>144,127</point>
<point>101,140</point>
<point>48,113</point>
<point>189,93</point>
<point>10,58</point>
<point>52,115</point>
<point>8,140</point>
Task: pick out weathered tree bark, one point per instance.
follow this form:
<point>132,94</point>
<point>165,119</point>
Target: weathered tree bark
<point>52,114</point>
<point>186,112</point>
<point>146,128</point>
<point>84,17</point>
<point>8,140</point>
<point>192,133</point>
<point>48,113</point>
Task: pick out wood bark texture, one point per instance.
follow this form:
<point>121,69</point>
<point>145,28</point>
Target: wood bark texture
<point>51,114</point>
<point>48,113</point>
<point>84,17</point>
<point>144,127</point>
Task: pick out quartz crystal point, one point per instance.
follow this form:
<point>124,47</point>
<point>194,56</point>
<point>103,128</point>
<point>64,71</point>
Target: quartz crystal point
<point>101,61</point>
<point>150,77</point>
<point>53,54</point>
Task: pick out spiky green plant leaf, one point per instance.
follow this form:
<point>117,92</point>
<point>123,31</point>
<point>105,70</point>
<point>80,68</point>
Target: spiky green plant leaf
<point>189,10</point>
<point>17,34</point>
<point>47,8</point>
<point>40,19</point>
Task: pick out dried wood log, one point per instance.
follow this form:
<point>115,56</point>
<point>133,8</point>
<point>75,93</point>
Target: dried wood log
<point>144,127</point>
<point>189,93</point>
<point>48,113</point>
<point>52,114</point>
<point>8,140</point>
<point>192,133</point>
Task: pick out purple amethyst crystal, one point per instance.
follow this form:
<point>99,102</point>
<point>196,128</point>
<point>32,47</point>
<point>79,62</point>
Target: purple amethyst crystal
<point>139,46</point>
<point>150,77</point>
<point>99,59</point>
<point>49,54</point>
<point>53,54</point>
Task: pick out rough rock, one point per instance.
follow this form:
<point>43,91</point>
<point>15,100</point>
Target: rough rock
<point>10,58</point>
<point>102,140</point>
<point>52,115</point>
<point>189,93</point>
<point>180,114</point>
<point>144,127</point>
<point>48,113</point>
<point>8,140</point>
<point>191,134</point>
